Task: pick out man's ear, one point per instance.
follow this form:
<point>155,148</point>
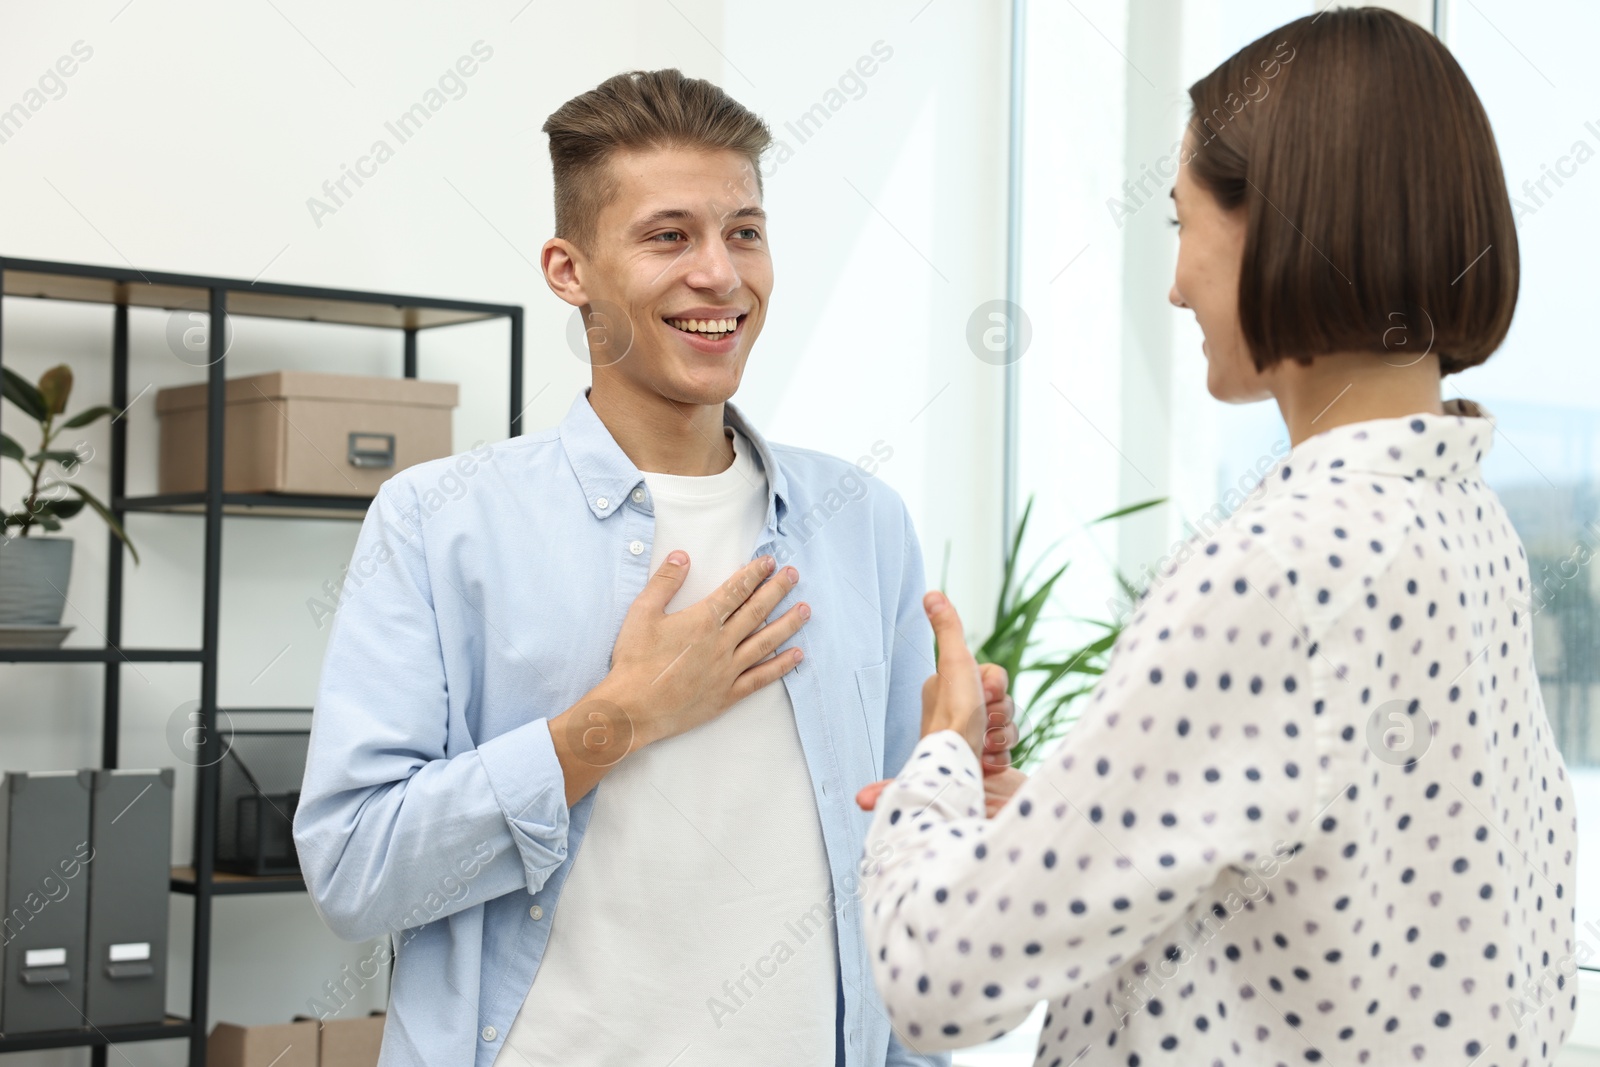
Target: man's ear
<point>564,267</point>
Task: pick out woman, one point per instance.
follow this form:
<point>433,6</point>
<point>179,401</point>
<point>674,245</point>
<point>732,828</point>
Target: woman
<point>1313,810</point>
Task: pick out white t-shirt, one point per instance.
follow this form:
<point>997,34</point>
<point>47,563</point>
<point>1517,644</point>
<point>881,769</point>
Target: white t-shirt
<point>696,925</point>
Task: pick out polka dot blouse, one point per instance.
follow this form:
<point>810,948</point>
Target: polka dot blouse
<point>1312,813</point>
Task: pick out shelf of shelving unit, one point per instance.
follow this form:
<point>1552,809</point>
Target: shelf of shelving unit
<point>171,1027</point>
<point>256,505</point>
<point>224,884</point>
<point>122,288</point>
<point>101,655</point>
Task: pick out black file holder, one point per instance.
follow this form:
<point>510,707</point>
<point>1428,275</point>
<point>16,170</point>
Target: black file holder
<point>259,788</point>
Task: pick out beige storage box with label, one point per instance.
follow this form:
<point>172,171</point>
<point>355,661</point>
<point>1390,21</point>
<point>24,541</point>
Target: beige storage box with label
<point>275,1045</point>
<point>305,432</point>
<point>350,1042</point>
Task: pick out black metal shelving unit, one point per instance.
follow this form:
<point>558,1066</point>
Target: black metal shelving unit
<point>122,288</point>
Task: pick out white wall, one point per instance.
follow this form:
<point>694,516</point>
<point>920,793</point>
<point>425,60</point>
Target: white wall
<point>191,140</point>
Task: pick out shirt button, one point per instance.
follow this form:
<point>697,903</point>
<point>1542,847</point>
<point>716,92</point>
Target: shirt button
<point>536,912</point>
<point>489,1033</point>
<point>638,496</point>
<point>636,548</point>
<point>602,503</point>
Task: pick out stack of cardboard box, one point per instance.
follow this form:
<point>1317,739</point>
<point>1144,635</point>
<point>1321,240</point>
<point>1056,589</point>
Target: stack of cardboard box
<point>302,1043</point>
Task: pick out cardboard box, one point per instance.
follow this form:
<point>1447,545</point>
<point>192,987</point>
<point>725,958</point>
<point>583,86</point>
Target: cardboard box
<point>350,1042</point>
<point>304,432</point>
<point>276,1045</point>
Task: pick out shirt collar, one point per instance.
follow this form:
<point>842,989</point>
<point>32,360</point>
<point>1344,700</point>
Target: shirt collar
<point>1414,447</point>
<point>607,475</point>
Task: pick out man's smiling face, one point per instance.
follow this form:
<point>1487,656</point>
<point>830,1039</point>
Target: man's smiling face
<point>680,256</point>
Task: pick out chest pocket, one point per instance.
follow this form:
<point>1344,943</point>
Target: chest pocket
<point>872,688</point>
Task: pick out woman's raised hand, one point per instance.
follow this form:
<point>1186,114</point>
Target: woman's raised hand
<point>970,699</point>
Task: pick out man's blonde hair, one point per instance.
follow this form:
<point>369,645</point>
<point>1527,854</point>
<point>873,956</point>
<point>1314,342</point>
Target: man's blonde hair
<point>641,109</point>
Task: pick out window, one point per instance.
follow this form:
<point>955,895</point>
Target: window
<point>1112,407</point>
<point>1531,65</point>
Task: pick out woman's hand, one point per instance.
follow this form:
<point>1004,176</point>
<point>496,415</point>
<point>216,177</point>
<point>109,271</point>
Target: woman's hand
<point>943,710</point>
<point>965,697</point>
<point>953,697</point>
<point>1001,733</point>
<point>999,788</point>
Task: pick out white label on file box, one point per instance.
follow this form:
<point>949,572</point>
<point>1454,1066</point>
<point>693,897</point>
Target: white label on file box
<point>133,950</point>
<point>44,957</point>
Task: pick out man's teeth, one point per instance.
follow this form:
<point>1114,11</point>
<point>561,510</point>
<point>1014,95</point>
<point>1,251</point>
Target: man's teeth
<point>705,325</point>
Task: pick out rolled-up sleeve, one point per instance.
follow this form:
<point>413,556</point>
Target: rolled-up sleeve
<point>393,830</point>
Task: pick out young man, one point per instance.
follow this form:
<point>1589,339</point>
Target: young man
<point>551,747</point>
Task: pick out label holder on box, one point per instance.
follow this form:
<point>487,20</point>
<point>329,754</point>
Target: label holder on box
<point>363,453</point>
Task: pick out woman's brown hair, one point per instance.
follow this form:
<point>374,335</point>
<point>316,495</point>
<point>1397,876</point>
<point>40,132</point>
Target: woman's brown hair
<point>1378,217</point>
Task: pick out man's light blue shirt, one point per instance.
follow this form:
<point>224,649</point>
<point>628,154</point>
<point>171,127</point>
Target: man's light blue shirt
<point>484,596</point>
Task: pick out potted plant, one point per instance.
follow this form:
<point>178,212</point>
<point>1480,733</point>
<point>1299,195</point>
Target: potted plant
<point>34,570</point>
<point>1063,675</point>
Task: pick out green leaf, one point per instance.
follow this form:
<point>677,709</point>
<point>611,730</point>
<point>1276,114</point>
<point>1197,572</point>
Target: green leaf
<point>1011,560</point>
<point>60,509</point>
<point>9,449</point>
<point>55,386</point>
<point>1129,510</point>
<point>66,459</point>
<point>1040,562</point>
<point>22,393</point>
<point>105,513</point>
<point>88,415</point>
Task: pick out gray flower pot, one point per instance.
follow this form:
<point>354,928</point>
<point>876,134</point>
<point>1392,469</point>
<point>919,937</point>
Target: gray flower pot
<point>33,580</point>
